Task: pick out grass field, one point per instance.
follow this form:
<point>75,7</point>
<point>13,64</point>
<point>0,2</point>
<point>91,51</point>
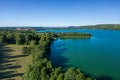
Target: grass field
<point>12,62</point>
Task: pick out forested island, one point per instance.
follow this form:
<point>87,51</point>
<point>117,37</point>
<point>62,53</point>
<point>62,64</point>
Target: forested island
<point>37,45</point>
<point>74,35</point>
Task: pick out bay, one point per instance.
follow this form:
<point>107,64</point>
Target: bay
<point>98,56</point>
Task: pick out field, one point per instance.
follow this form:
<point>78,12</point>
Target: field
<point>12,62</point>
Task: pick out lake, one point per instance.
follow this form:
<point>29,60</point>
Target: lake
<point>98,56</point>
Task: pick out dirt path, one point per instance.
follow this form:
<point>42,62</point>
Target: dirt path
<point>12,62</point>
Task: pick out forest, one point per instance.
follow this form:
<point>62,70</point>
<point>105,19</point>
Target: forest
<point>38,45</point>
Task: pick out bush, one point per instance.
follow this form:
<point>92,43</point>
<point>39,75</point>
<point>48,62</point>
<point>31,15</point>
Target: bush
<point>26,50</point>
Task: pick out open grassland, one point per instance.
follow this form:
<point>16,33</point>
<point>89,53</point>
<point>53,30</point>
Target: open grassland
<point>12,62</point>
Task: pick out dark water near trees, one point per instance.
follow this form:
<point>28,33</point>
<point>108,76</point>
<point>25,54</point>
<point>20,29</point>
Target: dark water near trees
<point>98,56</point>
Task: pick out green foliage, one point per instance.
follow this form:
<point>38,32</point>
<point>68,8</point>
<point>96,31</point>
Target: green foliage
<point>74,35</point>
<point>70,74</point>
<point>32,43</point>
<point>26,50</point>
<point>7,37</point>
<point>19,38</point>
<point>60,76</point>
<point>2,38</point>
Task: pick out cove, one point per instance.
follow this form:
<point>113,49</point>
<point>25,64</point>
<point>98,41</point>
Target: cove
<point>98,56</point>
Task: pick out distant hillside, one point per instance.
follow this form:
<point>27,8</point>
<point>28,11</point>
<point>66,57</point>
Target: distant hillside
<point>99,26</point>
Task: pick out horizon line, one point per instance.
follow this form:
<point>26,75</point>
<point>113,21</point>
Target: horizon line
<point>57,26</point>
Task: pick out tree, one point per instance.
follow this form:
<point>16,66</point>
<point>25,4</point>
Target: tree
<point>70,74</point>
<point>18,38</point>
<point>2,39</point>
<point>32,43</point>
<point>26,50</point>
<point>44,75</point>
<point>60,76</point>
<point>27,38</point>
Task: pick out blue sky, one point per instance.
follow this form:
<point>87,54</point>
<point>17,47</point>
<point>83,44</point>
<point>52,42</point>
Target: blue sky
<point>58,12</point>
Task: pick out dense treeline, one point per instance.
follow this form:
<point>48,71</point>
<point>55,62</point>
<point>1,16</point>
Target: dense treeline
<point>74,35</point>
<point>39,47</point>
<point>19,38</point>
<point>24,38</point>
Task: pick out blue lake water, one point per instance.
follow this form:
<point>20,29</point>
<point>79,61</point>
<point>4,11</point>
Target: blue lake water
<point>98,56</point>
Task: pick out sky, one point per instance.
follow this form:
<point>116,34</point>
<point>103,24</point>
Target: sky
<point>59,12</point>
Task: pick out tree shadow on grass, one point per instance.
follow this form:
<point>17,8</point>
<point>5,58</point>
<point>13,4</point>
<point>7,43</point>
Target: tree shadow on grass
<point>7,61</point>
<point>9,74</point>
<point>10,67</point>
<point>16,56</point>
<point>7,69</point>
<point>4,52</point>
<point>3,74</point>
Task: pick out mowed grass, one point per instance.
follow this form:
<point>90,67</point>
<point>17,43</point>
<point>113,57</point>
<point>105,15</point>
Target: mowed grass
<point>12,62</point>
